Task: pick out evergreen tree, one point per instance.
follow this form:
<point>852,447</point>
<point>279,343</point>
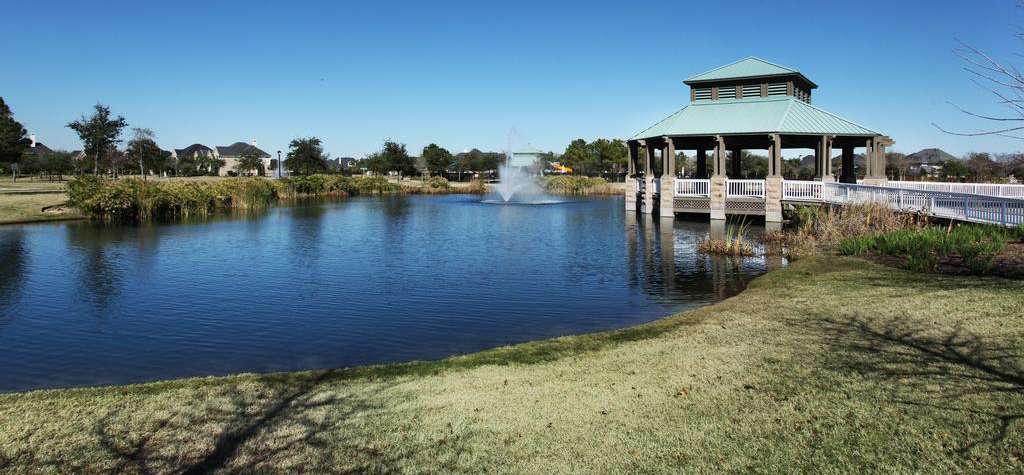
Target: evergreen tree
<point>13,138</point>
<point>438,159</point>
<point>99,134</point>
<point>306,156</point>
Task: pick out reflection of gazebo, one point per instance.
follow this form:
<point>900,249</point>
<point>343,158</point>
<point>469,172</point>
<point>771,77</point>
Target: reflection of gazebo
<point>749,104</point>
<point>525,157</point>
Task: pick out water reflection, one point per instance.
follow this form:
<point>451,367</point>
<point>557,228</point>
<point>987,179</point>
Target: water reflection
<point>663,259</point>
<point>338,283</point>
<point>13,264</point>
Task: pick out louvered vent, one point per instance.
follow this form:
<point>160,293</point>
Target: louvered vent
<point>702,94</point>
<point>751,90</point>
<point>777,89</point>
<point>727,92</point>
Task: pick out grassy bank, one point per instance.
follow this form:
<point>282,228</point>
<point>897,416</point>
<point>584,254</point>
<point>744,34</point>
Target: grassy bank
<point>833,365</point>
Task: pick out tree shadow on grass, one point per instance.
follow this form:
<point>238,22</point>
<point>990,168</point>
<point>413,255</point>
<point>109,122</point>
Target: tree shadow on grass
<point>952,370</point>
<point>282,426</point>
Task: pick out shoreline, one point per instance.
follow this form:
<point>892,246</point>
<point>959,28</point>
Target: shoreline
<point>795,373</point>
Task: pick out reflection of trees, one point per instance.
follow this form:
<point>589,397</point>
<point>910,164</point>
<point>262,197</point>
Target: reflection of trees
<point>99,272</point>
<point>13,263</point>
<point>664,262</point>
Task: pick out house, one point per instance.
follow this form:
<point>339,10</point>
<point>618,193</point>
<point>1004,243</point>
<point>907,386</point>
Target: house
<point>341,164</point>
<point>37,148</point>
<point>231,154</point>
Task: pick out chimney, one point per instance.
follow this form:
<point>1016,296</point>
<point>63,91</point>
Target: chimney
<point>32,137</point>
<point>253,142</point>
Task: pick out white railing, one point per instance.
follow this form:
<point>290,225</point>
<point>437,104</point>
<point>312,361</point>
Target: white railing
<point>657,185</point>
<point>796,190</point>
<point>745,189</point>
<point>693,187</point>
<point>988,189</point>
<point>961,206</point>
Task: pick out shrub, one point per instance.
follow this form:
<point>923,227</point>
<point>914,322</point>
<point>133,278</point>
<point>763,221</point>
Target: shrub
<point>854,245</point>
<point>1018,232</point>
<point>576,185</point>
<point>438,183</point>
<point>477,186</point>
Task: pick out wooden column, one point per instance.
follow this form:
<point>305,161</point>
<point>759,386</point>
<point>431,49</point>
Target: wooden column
<point>668,167</point>
<point>631,166</point>
<point>737,162</point>
<point>869,158</point>
<point>848,175</point>
<point>650,148</point>
<point>718,160</point>
<point>702,163</point>
<point>775,156</point>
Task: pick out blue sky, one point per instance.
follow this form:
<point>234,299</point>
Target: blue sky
<point>463,74</point>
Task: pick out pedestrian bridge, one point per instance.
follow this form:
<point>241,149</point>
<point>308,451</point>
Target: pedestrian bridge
<point>972,202</point>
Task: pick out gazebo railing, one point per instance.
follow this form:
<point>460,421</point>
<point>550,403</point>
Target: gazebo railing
<point>800,190</point>
<point>693,187</point>
<point>989,189</point>
<point>745,189</point>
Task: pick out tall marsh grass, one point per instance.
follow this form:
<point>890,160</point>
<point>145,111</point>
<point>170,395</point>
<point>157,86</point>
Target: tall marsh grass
<point>131,199</point>
<point>975,246</point>
<point>576,185</point>
<point>734,243</point>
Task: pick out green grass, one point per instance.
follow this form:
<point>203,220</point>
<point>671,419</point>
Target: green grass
<point>833,365</point>
<point>23,208</point>
<point>976,245</point>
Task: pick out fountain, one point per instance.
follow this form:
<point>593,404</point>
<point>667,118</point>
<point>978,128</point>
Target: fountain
<point>517,184</point>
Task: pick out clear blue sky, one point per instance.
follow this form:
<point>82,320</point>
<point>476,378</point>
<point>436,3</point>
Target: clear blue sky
<point>463,74</point>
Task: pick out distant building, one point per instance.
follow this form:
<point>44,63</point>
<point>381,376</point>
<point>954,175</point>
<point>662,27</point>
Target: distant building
<point>341,164</point>
<point>525,157</point>
<point>232,153</point>
<point>37,148</point>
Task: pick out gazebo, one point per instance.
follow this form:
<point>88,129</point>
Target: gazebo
<point>746,105</point>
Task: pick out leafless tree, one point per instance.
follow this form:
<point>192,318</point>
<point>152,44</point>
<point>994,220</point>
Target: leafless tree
<point>1001,79</point>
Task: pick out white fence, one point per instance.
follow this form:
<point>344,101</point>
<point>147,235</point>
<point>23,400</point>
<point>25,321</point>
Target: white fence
<point>693,187</point>
<point>988,189</point>
<point>961,206</point>
<point>794,190</point>
<point>745,189</point>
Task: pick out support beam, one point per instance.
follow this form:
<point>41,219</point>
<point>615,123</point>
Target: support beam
<point>648,205</point>
<point>737,162</point>
<point>631,178</point>
<point>823,159</point>
<point>849,175</point>
<point>718,181</point>
<point>775,156</point>
<point>702,163</point>
<point>666,208</point>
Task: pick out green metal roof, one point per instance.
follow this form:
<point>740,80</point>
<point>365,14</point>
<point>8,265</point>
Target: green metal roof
<point>783,114</point>
<point>744,68</point>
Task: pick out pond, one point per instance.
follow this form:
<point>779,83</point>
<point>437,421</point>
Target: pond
<point>337,283</point>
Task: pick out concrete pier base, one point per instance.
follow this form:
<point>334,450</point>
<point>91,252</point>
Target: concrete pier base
<point>666,208</point>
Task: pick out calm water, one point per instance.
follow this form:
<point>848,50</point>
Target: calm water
<point>330,284</point>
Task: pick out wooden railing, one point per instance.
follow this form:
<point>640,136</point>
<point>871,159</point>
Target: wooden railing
<point>693,187</point>
<point>745,189</point>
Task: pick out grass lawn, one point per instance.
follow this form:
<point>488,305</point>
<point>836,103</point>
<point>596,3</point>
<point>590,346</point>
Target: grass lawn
<point>18,208</point>
<point>833,365</point>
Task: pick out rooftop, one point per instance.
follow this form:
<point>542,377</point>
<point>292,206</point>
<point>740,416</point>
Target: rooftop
<point>749,67</point>
<point>781,114</point>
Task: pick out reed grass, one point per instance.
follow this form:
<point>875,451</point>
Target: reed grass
<point>734,243</point>
<point>577,185</point>
<point>975,246</point>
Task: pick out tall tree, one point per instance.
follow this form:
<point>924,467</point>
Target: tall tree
<point>438,159</point>
<point>393,157</point>
<point>142,149</point>
<point>13,138</point>
<point>306,156</point>
<point>249,161</point>
<point>99,134</point>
